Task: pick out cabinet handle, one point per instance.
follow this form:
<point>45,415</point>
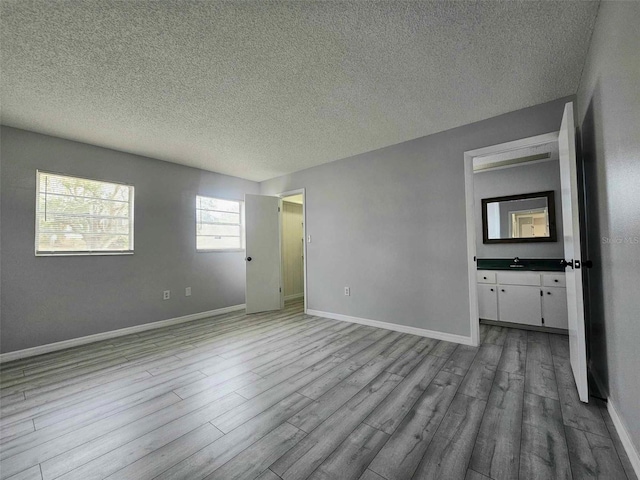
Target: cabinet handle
<point>492,289</point>
<point>555,280</point>
<point>548,293</point>
<point>484,278</point>
<point>502,290</point>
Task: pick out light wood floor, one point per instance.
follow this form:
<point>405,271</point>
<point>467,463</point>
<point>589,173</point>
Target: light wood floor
<point>290,396</point>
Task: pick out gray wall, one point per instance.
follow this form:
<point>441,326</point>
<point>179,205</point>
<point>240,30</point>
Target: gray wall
<point>391,224</point>
<point>609,123</point>
<point>49,299</point>
<point>537,177</point>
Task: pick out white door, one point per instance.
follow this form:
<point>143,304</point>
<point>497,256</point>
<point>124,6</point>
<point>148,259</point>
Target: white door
<point>262,223</point>
<point>572,251</point>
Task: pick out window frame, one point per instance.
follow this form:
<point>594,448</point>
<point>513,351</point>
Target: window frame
<point>82,253</point>
<point>241,225</point>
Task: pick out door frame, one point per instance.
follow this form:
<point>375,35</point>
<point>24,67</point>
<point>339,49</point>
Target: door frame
<point>471,216</point>
<point>289,193</point>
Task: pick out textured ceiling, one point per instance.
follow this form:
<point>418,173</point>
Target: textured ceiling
<point>259,89</point>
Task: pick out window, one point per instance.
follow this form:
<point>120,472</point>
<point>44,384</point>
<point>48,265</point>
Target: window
<point>78,216</point>
<point>219,224</point>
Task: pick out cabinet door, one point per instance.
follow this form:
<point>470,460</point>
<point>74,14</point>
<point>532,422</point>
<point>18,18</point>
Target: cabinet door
<point>488,302</point>
<point>520,304</point>
<point>554,308</point>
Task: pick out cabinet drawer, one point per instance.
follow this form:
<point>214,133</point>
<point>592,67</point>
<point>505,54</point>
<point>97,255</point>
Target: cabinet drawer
<point>486,276</point>
<point>553,280</point>
<point>519,278</point>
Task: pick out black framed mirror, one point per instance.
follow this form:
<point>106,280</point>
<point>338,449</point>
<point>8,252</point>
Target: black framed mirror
<point>529,217</point>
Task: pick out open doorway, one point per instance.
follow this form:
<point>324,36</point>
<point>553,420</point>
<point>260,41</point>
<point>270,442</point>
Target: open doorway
<point>292,247</point>
<point>543,291</point>
<point>275,227</point>
<point>507,186</point>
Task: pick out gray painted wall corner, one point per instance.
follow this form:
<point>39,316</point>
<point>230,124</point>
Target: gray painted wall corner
<point>391,224</point>
<point>50,299</point>
<point>608,120</point>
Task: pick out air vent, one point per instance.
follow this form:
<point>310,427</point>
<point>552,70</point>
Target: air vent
<point>512,161</point>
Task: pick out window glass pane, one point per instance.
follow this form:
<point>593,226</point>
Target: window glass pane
<point>218,243</point>
<point>208,216</point>
<point>56,203</point>
<point>219,230</point>
<point>82,187</point>
<point>83,216</point>
<point>218,224</point>
<point>207,203</point>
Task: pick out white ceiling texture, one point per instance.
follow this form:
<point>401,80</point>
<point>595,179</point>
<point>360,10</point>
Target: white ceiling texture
<point>259,89</point>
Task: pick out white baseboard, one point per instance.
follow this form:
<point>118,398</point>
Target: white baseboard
<point>74,342</point>
<point>294,296</point>
<point>625,438</point>
<point>448,337</point>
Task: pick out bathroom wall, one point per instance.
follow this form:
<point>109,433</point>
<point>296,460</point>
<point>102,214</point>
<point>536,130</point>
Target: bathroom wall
<point>526,178</point>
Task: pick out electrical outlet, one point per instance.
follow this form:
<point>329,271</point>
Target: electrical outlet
<point>166,295</point>
<point>347,291</point>
<point>187,292</point>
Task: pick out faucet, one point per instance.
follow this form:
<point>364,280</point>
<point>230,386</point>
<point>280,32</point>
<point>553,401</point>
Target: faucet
<point>516,263</point>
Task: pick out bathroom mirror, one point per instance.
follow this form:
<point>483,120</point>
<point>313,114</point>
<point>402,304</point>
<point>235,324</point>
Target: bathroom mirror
<point>529,217</point>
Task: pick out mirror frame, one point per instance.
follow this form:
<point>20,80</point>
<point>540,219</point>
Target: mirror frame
<point>553,234</point>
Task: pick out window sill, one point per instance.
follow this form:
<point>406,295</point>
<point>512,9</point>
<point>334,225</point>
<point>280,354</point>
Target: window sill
<point>81,254</point>
<point>221,250</point>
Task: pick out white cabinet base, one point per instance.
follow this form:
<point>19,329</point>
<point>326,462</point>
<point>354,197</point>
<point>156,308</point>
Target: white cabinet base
<point>536,299</point>
<point>522,326</point>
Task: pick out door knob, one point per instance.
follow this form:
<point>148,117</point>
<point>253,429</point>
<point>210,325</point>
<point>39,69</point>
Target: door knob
<point>248,259</point>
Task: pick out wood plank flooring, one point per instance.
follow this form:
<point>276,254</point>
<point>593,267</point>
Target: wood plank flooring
<point>287,396</point>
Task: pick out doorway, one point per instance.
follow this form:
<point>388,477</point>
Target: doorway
<point>292,248</point>
<point>489,162</point>
<point>265,267</point>
<point>571,278</point>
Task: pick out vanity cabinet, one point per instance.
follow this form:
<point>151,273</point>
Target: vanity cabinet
<point>524,297</point>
